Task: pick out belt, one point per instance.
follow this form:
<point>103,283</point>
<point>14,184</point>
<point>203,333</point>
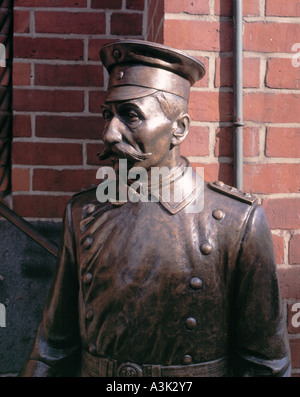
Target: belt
<point>105,367</point>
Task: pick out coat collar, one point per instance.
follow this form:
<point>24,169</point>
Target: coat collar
<point>175,191</point>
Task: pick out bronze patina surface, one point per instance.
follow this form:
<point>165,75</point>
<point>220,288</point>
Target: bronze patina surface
<point>151,288</point>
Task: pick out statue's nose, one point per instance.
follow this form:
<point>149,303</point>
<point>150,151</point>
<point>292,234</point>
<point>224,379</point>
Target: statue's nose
<point>112,133</point>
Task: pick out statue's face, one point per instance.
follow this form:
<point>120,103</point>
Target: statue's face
<point>138,130</point>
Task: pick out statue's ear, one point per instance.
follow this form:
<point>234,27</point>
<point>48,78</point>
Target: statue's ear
<point>181,129</point>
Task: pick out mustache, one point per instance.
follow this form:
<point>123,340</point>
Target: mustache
<point>123,150</point>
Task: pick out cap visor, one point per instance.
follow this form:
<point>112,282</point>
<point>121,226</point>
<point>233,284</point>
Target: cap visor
<point>126,92</point>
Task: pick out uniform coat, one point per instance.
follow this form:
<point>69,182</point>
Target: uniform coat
<point>151,283</point>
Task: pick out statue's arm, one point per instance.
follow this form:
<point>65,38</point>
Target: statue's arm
<point>56,348</point>
<point>261,343</point>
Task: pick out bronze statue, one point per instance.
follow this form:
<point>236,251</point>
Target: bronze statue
<point>150,287</point>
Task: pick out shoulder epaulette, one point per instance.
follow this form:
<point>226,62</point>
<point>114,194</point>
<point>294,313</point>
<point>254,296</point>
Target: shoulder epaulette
<point>233,192</point>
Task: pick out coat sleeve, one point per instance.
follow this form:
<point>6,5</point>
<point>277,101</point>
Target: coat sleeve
<point>56,349</point>
<point>261,345</point>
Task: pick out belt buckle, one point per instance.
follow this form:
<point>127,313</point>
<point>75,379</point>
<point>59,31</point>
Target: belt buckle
<point>129,370</point>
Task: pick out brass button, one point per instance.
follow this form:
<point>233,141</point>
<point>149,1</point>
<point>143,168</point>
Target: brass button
<point>120,75</point>
<point>196,283</point>
<point>89,315</point>
<point>92,349</point>
<point>191,323</point>
<point>88,242</point>
<point>218,214</point>
<point>219,183</point>
<point>206,248</point>
<point>116,54</point>
<point>187,359</point>
<point>89,209</point>
<point>87,279</point>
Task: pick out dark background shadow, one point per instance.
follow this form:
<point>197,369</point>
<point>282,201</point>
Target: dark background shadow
<point>26,271</point>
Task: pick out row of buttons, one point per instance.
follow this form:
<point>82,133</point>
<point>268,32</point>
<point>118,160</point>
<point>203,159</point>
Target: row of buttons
<point>195,284</point>
<point>191,323</point>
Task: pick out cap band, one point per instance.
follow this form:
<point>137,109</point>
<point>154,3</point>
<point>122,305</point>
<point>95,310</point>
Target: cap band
<point>142,80</point>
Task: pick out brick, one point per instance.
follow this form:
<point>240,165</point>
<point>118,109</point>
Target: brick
<point>96,99</point>
<point>283,142</point>
<point>251,141</point>
<point>21,21</point>
<point>156,6</point>
<point>278,242</point>
<point>48,48</point>
<point>135,4</point>
<point>126,24</point>
<point>295,352</point>
<point>156,17</point>
<point>290,8</point>
<point>40,206</point>
<point>158,21</point>
<point>40,153</point>
<point>110,4</point>
<point>48,101</point>
<point>196,143</point>
<point>21,125</point>
<point>283,213</point>
<point>282,74</point>
<point>69,22</point>
<point>270,36</point>
<point>63,181</point>
<point>69,127</point>
<point>20,179</point>
<point>271,178</point>
<point>187,6</point>
<point>217,171</point>
<point>196,35</point>
<point>21,73</point>
<point>294,250</point>
<point>50,3</point>
<point>225,142</point>
<point>224,72</point>
<point>91,153</point>
<point>293,318</point>
<point>205,80</point>
<point>68,75</point>
<point>289,282</point>
<point>211,106</point>
<point>225,7</point>
<point>95,46</point>
<point>271,107</point>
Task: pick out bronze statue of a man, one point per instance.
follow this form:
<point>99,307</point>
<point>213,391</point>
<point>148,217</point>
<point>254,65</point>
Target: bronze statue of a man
<point>150,287</point>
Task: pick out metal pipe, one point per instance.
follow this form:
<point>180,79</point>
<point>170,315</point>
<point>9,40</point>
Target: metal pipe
<point>27,228</point>
<point>238,92</point>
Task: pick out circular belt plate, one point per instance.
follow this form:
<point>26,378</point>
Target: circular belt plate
<point>129,370</point>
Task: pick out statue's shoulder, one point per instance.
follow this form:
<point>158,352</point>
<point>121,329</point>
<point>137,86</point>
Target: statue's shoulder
<point>232,192</point>
<point>84,198</point>
<point>85,193</point>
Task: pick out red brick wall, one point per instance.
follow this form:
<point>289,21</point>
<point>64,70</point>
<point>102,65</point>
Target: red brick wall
<point>58,89</point>
<point>271,112</point>
<point>59,85</point>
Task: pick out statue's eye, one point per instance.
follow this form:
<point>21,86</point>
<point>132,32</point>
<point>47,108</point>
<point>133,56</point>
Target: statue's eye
<point>107,115</point>
<point>132,116</point>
